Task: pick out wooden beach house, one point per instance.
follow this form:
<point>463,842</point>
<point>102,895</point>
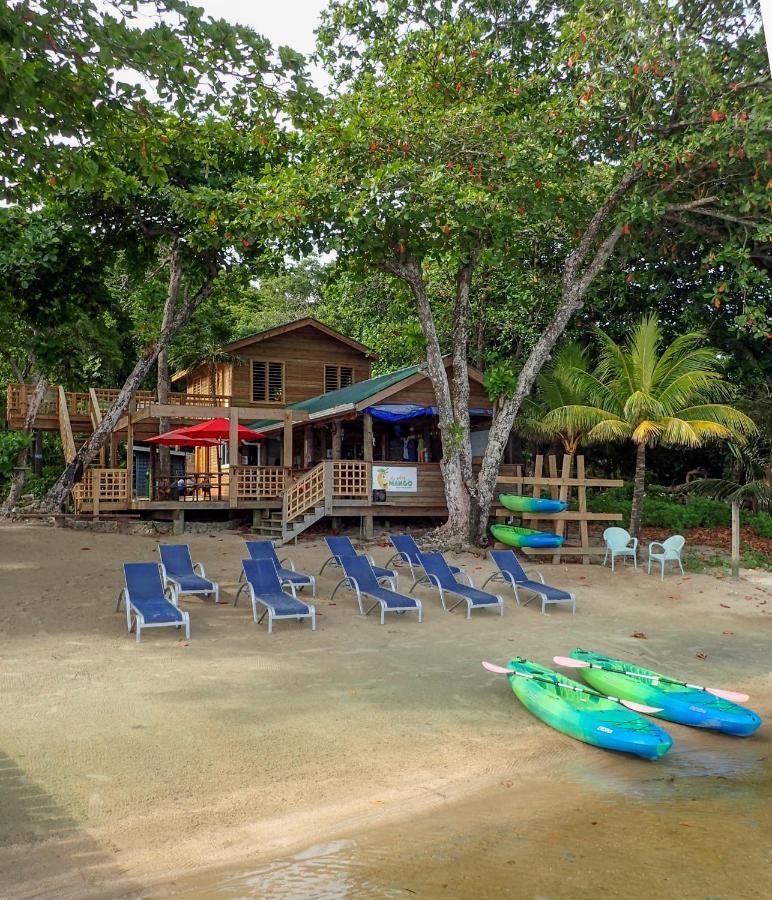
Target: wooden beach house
<point>334,440</point>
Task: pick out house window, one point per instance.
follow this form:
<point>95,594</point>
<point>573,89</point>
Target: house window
<point>336,377</point>
<point>267,382</point>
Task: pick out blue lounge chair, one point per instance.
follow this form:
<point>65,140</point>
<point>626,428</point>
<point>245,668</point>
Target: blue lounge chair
<point>289,577</point>
<point>512,573</point>
<point>407,551</point>
<point>438,574</point>
<point>341,547</point>
<point>264,588</point>
<point>177,570</point>
<point>361,578</point>
<point>151,604</point>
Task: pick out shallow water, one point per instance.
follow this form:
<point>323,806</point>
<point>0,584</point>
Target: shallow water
<point>696,824</point>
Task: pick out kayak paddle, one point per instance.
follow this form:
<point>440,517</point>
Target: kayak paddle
<point>636,707</point>
<point>569,663</point>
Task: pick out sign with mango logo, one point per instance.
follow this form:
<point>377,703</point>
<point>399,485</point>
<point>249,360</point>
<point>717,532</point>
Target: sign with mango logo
<point>395,479</point>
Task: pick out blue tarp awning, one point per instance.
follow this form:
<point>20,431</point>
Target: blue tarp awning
<point>398,412</point>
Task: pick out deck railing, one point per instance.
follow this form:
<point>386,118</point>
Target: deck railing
<point>260,482</point>
<point>79,405</point>
<point>304,493</point>
<point>350,478</point>
<point>101,486</point>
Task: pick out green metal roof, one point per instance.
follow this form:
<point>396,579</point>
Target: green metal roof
<point>347,396</point>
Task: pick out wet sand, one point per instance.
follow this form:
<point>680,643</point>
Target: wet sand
<point>130,770</point>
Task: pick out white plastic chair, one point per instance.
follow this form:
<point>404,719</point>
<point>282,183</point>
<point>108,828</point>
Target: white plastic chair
<point>619,543</point>
<point>671,551</point>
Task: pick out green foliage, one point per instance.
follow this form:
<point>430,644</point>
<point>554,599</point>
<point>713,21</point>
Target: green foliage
<point>103,74</point>
<point>11,442</point>
<point>661,511</point>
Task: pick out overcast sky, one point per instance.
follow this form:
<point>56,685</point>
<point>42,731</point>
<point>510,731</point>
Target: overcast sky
<point>290,22</point>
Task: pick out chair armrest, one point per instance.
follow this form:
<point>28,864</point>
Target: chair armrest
<point>467,576</point>
<point>634,543</point>
<point>198,568</point>
<point>537,572</point>
<point>170,591</point>
<point>369,558</point>
<point>288,560</point>
<point>653,544</point>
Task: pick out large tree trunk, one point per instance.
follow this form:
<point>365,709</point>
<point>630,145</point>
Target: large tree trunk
<point>163,382</point>
<point>452,406</point>
<point>74,471</point>
<point>23,457</point>
<point>639,488</point>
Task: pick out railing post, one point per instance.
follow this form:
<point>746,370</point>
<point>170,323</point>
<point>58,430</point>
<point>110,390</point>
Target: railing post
<point>94,475</point>
<point>233,486</point>
<point>328,464</point>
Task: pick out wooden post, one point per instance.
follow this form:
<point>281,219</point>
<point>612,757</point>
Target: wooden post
<point>308,445</point>
<point>565,474</point>
<point>584,531</point>
<point>538,468</point>
<point>287,443</point>
<point>367,452</point>
<point>233,458</point>
<point>735,540</point>
<point>337,439</point>
<point>130,450</point>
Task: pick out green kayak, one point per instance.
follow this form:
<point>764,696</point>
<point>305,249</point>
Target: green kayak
<point>513,536</point>
<point>517,503</point>
<point>679,702</point>
<point>585,715</point>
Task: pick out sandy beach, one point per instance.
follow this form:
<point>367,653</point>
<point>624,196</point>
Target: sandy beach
<point>130,770</point>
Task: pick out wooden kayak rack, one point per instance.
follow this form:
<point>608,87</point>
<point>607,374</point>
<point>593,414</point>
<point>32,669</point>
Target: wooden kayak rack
<point>560,487</point>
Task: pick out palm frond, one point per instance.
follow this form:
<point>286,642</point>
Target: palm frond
<point>736,422</point>
<point>678,432</point>
<point>734,492</point>
<point>642,350</point>
<point>680,352</point>
<point>647,432</point>
<point>609,431</point>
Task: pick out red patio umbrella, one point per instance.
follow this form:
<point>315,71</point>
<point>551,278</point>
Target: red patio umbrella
<point>218,430</point>
<point>178,438</point>
<point>205,434</point>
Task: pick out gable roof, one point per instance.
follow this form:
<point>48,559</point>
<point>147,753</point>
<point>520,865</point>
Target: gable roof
<point>360,395</point>
<point>306,322</point>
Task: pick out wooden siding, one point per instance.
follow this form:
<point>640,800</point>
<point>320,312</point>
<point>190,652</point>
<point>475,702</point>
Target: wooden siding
<point>423,393</point>
<point>304,352</point>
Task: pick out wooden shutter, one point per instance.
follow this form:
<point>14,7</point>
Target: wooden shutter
<point>258,381</point>
<point>346,376</point>
<point>330,379</point>
<point>276,382</point>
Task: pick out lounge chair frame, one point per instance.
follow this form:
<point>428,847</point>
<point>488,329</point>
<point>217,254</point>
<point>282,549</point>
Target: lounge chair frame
<point>268,611</point>
<point>351,582</point>
<point>509,578</point>
<point>283,579</point>
<point>198,569</point>
<point>335,561</point>
<point>434,581</point>
<point>139,619</point>
<point>404,557</point>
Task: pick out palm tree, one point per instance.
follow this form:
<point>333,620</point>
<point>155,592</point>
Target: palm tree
<point>649,396</point>
<point>556,387</point>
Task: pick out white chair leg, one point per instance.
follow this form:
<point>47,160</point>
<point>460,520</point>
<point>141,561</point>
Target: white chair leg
<point>662,575</point>
<point>648,571</point>
<point>612,560</point>
<point>680,566</point>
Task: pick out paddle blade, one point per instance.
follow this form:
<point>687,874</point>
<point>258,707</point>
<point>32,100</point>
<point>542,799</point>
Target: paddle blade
<point>499,670</point>
<point>734,696</point>
<point>569,663</point>
<point>640,707</point>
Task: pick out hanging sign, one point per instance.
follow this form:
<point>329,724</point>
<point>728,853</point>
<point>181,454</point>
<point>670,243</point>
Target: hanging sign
<point>395,479</point>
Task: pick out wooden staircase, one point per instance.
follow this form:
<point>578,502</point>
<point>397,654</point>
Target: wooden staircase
<point>312,495</point>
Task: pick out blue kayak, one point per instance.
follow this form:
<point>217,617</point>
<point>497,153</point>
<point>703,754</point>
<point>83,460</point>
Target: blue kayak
<point>678,701</point>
